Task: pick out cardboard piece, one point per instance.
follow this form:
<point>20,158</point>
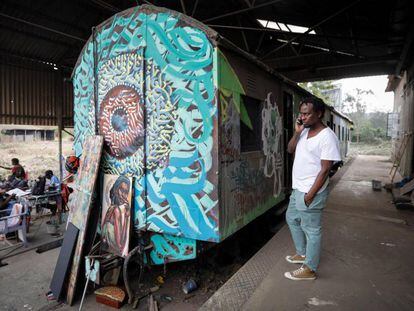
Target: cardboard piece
<point>80,205</point>
<point>64,260</point>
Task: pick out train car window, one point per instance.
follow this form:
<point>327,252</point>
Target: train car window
<point>339,132</point>
<point>251,138</point>
<point>343,135</point>
<point>334,128</point>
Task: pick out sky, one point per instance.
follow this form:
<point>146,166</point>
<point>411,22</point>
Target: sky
<point>380,101</point>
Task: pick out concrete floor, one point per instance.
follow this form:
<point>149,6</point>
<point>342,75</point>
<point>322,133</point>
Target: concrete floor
<point>367,253</point>
<point>26,278</point>
<point>366,260</point>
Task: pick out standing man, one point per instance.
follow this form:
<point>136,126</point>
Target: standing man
<point>316,148</point>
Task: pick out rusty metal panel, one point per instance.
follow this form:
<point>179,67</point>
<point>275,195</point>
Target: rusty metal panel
<point>29,94</point>
<point>251,169</point>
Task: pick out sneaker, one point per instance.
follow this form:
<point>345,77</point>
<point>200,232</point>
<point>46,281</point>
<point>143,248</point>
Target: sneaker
<point>301,274</point>
<point>295,259</point>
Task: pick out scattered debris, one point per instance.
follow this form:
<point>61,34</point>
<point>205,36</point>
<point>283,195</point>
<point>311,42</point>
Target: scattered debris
<point>376,185</point>
<point>160,280</point>
<point>166,298</point>
<point>189,286</point>
<point>318,302</point>
<point>188,297</point>
<point>110,296</point>
<point>152,304</point>
<point>154,289</point>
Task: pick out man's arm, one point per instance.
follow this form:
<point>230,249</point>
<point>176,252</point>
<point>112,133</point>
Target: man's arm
<point>294,140</point>
<point>5,167</point>
<point>319,182</point>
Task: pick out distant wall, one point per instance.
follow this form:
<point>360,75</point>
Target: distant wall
<point>404,107</point>
<point>26,135</point>
<point>32,93</point>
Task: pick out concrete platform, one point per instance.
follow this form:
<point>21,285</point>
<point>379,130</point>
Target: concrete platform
<point>367,255</point>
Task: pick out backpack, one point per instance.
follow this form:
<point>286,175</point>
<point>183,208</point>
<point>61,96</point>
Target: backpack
<point>39,186</point>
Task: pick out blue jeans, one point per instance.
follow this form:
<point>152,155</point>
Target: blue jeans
<point>305,225</point>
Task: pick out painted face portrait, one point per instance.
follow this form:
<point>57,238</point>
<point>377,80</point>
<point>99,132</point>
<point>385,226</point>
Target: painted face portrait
<point>120,191</point>
<point>116,214</point>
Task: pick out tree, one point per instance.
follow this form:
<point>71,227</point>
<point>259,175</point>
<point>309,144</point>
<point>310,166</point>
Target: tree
<point>317,88</point>
<point>369,127</point>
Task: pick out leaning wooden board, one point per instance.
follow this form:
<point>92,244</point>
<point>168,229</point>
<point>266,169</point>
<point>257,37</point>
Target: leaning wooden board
<point>64,260</point>
<point>80,205</point>
<point>407,187</point>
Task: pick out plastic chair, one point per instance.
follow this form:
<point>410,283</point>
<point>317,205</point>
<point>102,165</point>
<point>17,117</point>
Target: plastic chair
<point>15,222</point>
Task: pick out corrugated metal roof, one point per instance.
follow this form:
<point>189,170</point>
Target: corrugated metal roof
<point>347,33</point>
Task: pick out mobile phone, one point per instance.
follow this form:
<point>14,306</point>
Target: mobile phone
<point>299,121</point>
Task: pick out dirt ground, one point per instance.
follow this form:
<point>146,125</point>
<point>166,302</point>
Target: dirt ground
<point>382,149</point>
<point>36,157</point>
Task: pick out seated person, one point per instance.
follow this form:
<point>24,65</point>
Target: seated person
<point>6,201</point>
<point>17,170</point>
<point>52,182</point>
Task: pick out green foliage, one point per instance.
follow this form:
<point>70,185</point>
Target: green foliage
<point>317,88</point>
<point>368,127</point>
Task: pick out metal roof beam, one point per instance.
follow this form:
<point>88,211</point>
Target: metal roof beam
<point>407,45</point>
<point>38,37</point>
<point>16,19</point>
<point>183,7</point>
<point>241,11</point>
<point>194,8</point>
<point>313,27</point>
<point>35,14</point>
<point>296,34</point>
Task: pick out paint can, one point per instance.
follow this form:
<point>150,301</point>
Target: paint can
<point>189,286</point>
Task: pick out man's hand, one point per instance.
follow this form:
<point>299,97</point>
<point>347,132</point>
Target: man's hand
<point>299,126</point>
<point>308,199</point>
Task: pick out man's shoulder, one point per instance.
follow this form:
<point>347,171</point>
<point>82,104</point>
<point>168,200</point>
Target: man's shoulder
<point>329,134</point>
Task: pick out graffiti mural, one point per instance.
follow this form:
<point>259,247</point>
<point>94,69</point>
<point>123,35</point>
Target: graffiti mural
<point>272,131</point>
<point>158,115</point>
<point>169,248</point>
<point>230,126</point>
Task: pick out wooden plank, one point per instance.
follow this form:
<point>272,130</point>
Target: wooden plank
<point>407,187</point>
<point>80,205</point>
<point>64,260</point>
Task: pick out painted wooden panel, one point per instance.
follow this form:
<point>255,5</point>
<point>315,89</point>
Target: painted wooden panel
<point>80,205</point>
<point>116,214</point>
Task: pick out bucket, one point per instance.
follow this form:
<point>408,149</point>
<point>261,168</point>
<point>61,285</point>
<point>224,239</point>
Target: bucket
<point>189,286</point>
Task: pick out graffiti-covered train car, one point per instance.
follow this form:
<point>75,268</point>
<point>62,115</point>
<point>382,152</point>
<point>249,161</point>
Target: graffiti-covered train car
<point>199,126</point>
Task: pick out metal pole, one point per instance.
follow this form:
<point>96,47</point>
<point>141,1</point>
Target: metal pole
<point>95,78</point>
<point>58,106</point>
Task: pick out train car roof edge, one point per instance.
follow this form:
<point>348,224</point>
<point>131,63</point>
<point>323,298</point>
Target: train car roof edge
<point>215,37</point>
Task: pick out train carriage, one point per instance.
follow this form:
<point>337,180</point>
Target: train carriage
<point>200,126</point>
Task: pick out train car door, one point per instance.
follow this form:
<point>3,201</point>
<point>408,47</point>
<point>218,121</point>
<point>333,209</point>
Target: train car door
<point>288,128</point>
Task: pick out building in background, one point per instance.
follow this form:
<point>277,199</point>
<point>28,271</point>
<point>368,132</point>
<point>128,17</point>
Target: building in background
<point>402,120</point>
<point>334,97</point>
<point>26,133</point>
